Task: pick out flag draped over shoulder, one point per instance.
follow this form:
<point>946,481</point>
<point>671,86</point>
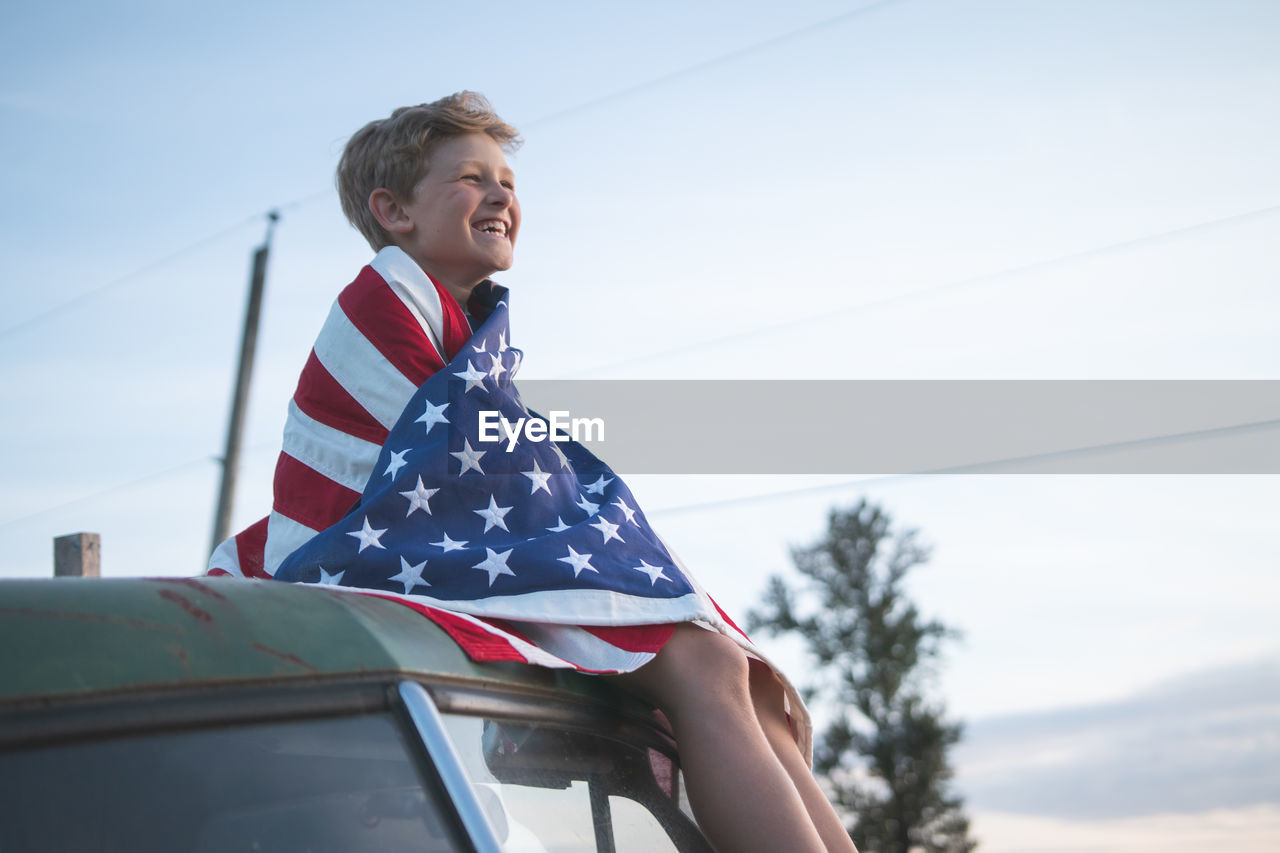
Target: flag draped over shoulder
<point>512,528</point>
<point>521,549</point>
<point>387,333</point>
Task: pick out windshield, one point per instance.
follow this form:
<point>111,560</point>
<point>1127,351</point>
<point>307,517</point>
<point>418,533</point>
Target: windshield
<point>344,785</point>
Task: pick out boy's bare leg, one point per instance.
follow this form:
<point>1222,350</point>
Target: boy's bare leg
<point>767,698</point>
<point>742,795</point>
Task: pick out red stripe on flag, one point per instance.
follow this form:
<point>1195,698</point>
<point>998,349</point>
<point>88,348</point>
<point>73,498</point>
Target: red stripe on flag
<point>478,643</point>
<point>322,399</point>
<point>725,617</point>
<point>309,497</point>
<point>634,638</point>
<point>457,331</point>
<point>379,314</point>
<point>250,544</point>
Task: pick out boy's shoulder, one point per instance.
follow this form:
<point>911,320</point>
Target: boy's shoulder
<point>402,314</point>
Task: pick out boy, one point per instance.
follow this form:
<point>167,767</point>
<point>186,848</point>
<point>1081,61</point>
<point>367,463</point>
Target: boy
<point>431,191</point>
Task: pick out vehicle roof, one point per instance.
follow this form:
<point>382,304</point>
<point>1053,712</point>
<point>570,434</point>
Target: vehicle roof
<point>68,637</point>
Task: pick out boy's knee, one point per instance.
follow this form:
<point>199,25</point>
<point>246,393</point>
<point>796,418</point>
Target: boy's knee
<point>695,668</point>
<point>699,655</point>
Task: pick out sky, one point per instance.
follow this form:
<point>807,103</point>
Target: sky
<point>913,189</point>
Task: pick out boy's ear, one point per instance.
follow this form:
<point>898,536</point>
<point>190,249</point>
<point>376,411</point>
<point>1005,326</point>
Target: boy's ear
<point>389,212</point>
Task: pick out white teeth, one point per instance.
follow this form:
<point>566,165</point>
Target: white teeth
<point>492,227</point>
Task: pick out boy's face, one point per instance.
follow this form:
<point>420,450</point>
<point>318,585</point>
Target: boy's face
<point>464,213</point>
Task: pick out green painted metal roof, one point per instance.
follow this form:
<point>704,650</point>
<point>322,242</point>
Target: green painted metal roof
<point>75,636</point>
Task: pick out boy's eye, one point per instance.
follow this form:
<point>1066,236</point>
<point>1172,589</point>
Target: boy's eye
<point>470,177</point>
<point>509,185</point>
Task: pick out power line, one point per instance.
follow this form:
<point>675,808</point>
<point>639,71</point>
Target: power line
<point>552,117</point>
<point>697,67</point>
<point>130,484</point>
<point>116,282</point>
<point>151,267</point>
<point>979,467</point>
<point>969,468</point>
<point>110,490</point>
<point>1034,266</point>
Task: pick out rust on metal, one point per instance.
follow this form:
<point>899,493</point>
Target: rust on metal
<point>90,617</point>
<point>183,658</point>
<point>192,583</point>
<point>192,610</point>
<point>285,656</point>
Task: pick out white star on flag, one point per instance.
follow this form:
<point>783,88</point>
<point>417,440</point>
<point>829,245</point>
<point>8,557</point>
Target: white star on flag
<point>564,460</point>
<point>626,510</point>
<point>475,378</point>
<point>538,478</point>
<point>654,572</point>
<point>433,415</point>
<point>450,544</point>
<point>597,488</point>
<point>607,529</point>
<point>587,506</point>
<point>469,457</point>
<point>497,369</point>
<point>410,576</point>
<point>493,515</point>
<point>397,462</point>
<point>331,580</point>
<point>560,526</point>
<point>418,497</point>
<point>368,536</point>
<point>578,561</point>
<point>495,564</point>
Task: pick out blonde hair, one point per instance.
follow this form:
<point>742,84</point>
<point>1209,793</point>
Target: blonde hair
<point>394,153</point>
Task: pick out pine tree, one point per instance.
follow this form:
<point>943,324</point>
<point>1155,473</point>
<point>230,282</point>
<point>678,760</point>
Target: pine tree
<point>884,758</point>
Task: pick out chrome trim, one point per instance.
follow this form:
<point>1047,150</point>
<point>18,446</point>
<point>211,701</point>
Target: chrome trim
<point>426,719</point>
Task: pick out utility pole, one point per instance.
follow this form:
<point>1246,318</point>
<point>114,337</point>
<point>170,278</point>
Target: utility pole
<point>240,398</point>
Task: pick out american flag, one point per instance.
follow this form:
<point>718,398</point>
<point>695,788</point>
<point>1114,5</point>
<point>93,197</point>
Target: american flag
<point>536,554</point>
<point>513,528</point>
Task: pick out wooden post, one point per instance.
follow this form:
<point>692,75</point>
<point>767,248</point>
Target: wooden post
<point>240,398</point>
<point>77,555</point>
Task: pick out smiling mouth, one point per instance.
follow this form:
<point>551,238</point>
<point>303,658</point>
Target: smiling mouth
<point>492,227</point>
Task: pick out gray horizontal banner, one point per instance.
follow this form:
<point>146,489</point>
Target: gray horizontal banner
<point>919,427</point>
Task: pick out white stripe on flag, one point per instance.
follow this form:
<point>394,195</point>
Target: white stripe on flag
<point>227,557</point>
<point>582,648</point>
<point>343,458</point>
<point>528,651</point>
<point>411,284</point>
<point>361,370</point>
<point>599,607</point>
<point>284,536</point>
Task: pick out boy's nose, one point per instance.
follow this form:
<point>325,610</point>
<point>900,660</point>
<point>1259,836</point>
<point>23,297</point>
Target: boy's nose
<point>501,196</point>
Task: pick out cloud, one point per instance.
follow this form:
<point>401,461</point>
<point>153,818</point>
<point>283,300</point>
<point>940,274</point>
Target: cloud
<point>1205,741</point>
<point>1251,830</point>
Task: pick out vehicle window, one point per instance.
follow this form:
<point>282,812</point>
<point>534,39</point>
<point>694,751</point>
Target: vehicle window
<point>308,786</point>
<point>547,790</point>
<point>635,829</point>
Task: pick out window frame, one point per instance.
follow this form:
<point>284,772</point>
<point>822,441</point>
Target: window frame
<point>417,701</point>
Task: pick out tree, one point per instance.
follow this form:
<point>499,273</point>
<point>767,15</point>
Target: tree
<point>886,767</point>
